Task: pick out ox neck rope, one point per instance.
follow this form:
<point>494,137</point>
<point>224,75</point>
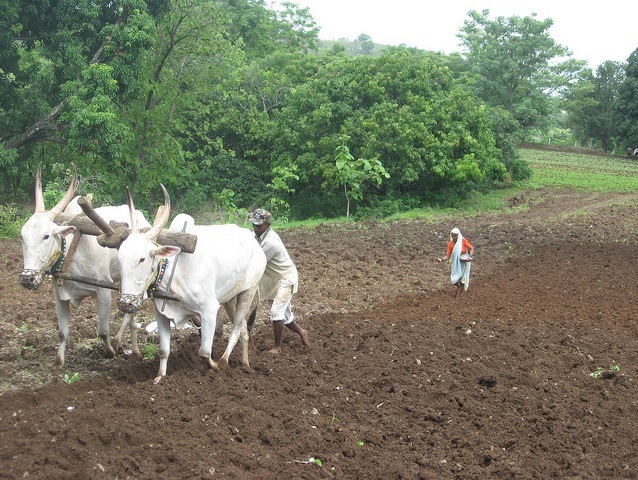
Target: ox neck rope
<point>57,261</point>
<point>159,276</point>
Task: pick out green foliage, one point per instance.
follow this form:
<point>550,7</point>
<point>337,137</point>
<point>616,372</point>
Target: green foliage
<point>282,177</point>
<point>351,174</point>
<point>149,350</point>
<point>11,221</point>
<point>400,108</point>
<point>222,103</point>
<point>384,207</point>
<point>69,379</point>
<point>600,372</point>
<point>590,103</point>
<point>626,105</point>
<point>512,64</point>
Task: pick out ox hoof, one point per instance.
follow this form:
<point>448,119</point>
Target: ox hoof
<point>223,363</point>
<point>156,380</point>
<point>211,363</point>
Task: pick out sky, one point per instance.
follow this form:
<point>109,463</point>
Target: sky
<point>606,31</point>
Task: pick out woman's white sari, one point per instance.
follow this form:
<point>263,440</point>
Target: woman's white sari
<point>460,270</point>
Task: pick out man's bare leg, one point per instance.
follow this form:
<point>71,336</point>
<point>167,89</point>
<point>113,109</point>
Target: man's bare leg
<point>303,333</point>
<point>277,331</point>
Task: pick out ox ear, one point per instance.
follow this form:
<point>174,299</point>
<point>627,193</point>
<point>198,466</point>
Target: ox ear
<point>64,231</point>
<point>166,251</point>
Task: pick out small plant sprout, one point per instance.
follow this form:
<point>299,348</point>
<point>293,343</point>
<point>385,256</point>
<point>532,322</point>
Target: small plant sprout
<point>316,461</point>
<point>600,372</point>
<point>360,443</point>
<point>334,418</point>
<point>149,350</point>
<point>71,378</point>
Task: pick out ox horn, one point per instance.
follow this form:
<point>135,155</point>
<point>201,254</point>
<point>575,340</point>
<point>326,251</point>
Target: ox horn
<point>163,212</point>
<point>131,208</point>
<point>39,198</point>
<point>68,196</point>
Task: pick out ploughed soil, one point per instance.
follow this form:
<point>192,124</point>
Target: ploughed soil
<point>402,381</point>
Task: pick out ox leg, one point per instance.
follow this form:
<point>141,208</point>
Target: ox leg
<point>240,329</point>
<point>209,320</point>
<point>127,321</point>
<point>117,340</point>
<point>164,331</point>
<point>230,308</point>
<point>104,316</point>
<point>63,312</point>
<point>133,331</point>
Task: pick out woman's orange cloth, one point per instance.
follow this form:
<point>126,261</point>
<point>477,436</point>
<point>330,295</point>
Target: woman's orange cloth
<point>465,246</point>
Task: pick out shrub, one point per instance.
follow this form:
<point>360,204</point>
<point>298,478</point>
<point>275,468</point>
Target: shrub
<point>11,221</point>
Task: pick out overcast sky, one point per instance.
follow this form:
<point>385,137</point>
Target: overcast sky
<point>593,32</point>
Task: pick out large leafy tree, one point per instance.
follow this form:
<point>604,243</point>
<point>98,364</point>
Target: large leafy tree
<point>590,104</point>
<point>512,63</point>
<point>627,104</point>
<point>66,66</point>
<point>430,134</point>
<point>122,88</point>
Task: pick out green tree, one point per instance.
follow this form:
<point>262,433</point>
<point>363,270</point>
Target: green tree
<point>512,64</point>
<point>626,108</point>
<point>351,175</point>
<point>72,63</point>
<point>367,45</point>
<point>432,135</point>
<point>590,105</point>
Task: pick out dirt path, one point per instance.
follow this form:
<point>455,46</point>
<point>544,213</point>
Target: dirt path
<point>402,381</point>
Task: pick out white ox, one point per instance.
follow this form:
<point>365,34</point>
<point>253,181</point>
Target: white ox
<point>225,268</point>
<point>44,247</point>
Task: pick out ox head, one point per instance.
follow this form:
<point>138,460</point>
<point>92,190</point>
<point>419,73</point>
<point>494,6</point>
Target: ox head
<point>139,257</point>
<point>42,238</point>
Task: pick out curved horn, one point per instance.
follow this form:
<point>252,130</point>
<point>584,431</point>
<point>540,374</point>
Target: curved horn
<point>68,196</point>
<point>131,208</point>
<point>39,198</point>
<point>163,212</point>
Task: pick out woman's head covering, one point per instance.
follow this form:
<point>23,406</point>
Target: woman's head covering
<point>455,231</point>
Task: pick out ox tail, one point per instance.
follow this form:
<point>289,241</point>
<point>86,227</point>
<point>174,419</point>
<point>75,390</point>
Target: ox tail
<point>253,313</point>
<point>251,319</point>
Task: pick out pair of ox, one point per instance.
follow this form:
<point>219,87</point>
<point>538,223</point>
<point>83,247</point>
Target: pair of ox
<point>226,269</point>
<point>46,249</point>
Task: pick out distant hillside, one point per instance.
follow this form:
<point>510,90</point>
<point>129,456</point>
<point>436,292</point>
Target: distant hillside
<point>354,48</point>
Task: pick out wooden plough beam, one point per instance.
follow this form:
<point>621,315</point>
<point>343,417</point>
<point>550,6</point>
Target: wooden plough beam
<point>111,235</point>
<point>92,224</point>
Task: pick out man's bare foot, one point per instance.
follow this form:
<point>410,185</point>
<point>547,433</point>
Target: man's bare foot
<point>304,338</point>
<point>275,351</point>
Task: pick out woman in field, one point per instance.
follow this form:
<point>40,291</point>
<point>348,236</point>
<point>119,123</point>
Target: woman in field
<point>460,251</point>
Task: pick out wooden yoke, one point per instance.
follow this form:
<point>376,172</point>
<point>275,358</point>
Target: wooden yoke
<point>112,234</point>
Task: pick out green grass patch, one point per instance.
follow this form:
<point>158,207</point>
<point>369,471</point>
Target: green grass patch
<point>596,173</point>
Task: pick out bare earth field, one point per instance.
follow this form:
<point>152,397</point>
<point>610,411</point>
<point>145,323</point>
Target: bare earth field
<point>402,381</point>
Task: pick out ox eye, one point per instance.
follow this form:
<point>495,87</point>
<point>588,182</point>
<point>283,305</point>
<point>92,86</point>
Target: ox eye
<point>142,260</point>
<point>46,237</point>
